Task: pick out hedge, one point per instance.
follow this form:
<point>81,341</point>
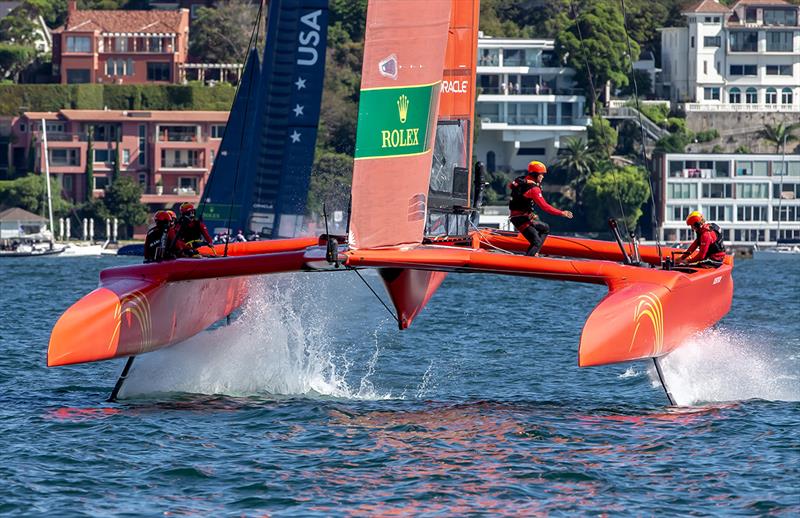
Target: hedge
<point>53,97</point>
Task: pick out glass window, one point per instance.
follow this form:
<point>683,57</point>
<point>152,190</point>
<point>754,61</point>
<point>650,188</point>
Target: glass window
<point>142,142</point>
<point>102,155</point>
<point>793,168</point>
<point>155,44</point>
<point>187,185</point>
<point>682,190</point>
<point>678,212</point>
<point>717,190</point>
<point>121,44</point>
<point>779,41</point>
<point>100,182</point>
<point>719,212</point>
<point>771,96</point>
<point>711,94</point>
<point>489,112</point>
<point>675,168</point>
<point>780,17</point>
<point>786,213</point>
<point>743,70</point>
<point>512,57</point>
<point>752,190</point>
<point>78,76</point>
<point>744,168</point>
<point>712,41</point>
<point>735,96</point>
<point>760,168</point>
<point>722,169</point>
<point>751,213</point>
<point>64,157</point>
<point>126,156</point>
<point>751,96</point>
<point>787,191</point>
<point>779,70</point>
<point>143,179</point>
<point>159,72</point>
<point>786,96</point>
<point>744,41</point>
<point>489,57</point>
<point>78,44</point>
<point>217,130</point>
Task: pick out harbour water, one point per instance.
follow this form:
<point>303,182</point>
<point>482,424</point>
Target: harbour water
<point>312,403</point>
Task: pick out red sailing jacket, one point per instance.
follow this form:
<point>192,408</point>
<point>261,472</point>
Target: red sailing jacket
<point>706,238</point>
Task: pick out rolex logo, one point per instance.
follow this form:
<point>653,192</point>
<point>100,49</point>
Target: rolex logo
<point>402,108</point>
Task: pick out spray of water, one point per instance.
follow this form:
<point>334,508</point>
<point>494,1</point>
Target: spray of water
<point>279,346</point>
<point>719,365</point>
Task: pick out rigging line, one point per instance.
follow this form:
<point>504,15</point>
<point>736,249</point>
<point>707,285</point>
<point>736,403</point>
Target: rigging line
<point>376,295</point>
<point>202,204</point>
<point>253,42</point>
<point>487,243</point>
<point>641,127</point>
<point>594,94</point>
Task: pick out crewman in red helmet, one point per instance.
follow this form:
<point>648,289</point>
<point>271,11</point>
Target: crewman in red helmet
<point>191,233</point>
<point>708,249</point>
<point>158,243</point>
<point>525,191</point>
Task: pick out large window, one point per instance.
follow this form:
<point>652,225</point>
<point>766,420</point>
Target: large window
<point>155,44</point>
<point>743,70</point>
<point>751,213</point>
<point>102,155</point>
<point>712,41</point>
<point>779,70</point>
<point>217,130</point>
<point>489,57</point>
<point>786,213</point>
<point>64,157</point>
<point>744,41</point>
<point>105,132</point>
<point>78,75</point>
<point>142,144</point>
<point>717,190</point>
<point>187,185</point>
<point>100,182</point>
<point>79,44</point>
<point>789,191</point>
<point>719,212</point>
<point>779,41</point>
<point>735,96</point>
<point>752,190</point>
<point>751,96</point>
<point>780,17</point>
<point>121,44</point>
<point>159,72</point>
<point>682,191</point>
<point>786,96</point>
<point>119,67</point>
<point>771,96</point>
<point>678,212</point>
<point>178,133</point>
<point>711,94</point>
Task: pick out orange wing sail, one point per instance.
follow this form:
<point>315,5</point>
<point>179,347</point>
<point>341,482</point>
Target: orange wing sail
<point>401,76</point>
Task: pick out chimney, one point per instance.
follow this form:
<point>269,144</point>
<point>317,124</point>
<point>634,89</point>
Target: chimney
<point>72,6</point>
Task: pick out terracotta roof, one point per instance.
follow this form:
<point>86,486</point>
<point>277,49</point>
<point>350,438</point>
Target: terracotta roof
<point>762,2</point>
<point>156,21</point>
<point>17,214</point>
<point>50,116</point>
<point>707,6</point>
<point>142,115</point>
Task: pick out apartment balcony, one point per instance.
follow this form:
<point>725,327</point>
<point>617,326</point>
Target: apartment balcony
<point>160,195</point>
<point>750,108</point>
<point>492,121</point>
<point>541,90</point>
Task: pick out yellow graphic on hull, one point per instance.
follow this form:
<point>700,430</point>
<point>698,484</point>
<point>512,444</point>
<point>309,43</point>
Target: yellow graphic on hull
<point>649,306</point>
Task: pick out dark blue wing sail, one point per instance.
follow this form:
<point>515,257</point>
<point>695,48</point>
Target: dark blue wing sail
<point>289,106</point>
<point>277,150</point>
<point>224,194</point>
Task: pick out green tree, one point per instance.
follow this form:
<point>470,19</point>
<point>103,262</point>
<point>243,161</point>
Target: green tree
<point>30,193</point>
<point>603,48</point>
<point>89,164</point>
<point>577,161</point>
<point>221,34</point>
<point>14,58</point>
<point>605,191</point>
<point>779,134</point>
<point>602,137</point>
<point>673,143</point>
<point>123,200</point>
<point>331,179</point>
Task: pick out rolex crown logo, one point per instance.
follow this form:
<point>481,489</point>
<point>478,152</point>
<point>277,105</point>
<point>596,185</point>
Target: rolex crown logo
<point>402,108</point>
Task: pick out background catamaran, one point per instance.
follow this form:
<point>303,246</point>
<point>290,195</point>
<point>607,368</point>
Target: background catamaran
<point>412,199</point>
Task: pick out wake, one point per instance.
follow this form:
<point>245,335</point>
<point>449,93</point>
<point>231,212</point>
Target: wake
<point>720,365</point>
<point>278,346</point>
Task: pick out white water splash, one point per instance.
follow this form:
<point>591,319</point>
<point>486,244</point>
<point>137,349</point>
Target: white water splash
<point>720,365</point>
<point>630,372</point>
<point>279,345</point>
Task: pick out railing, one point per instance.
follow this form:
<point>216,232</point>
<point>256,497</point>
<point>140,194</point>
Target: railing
<point>653,130</point>
<point>620,103</point>
<point>181,138</point>
<point>530,90</point>
<point>177,164</point>
<point>725,107</point>
<point>535,120</point>
<point>173,191</point>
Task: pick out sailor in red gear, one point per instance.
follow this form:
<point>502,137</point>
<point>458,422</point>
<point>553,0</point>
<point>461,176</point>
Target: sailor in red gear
<point>525,192</point>
<point>708,249</point>
<point>191,233</point>
<point>158,243</point>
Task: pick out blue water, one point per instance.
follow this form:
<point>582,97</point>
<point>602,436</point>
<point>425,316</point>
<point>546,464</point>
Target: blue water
<point>312,403</point>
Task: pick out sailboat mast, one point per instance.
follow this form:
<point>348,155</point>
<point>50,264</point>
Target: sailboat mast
<point>47,179</point>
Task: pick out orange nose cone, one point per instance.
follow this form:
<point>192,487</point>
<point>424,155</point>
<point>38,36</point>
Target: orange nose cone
<point>88,331</point>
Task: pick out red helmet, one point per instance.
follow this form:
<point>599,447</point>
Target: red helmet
<point>186,207</point>
<point>536,167</point>
<point>172,215</point>
<point>694,218</point>
<point>162,217</point>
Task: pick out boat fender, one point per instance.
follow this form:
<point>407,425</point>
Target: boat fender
<point>332,251</point>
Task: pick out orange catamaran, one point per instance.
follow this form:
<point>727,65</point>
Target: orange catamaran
<point>412,202</point>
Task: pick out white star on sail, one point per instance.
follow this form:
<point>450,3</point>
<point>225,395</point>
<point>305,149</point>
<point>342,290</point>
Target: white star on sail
<point>301,83</point>
<point>298,110</point>
<point>295,136</point>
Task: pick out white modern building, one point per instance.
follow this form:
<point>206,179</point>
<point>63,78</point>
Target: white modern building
<point>746,58</point>
<point>527,106</point>
<point>747,195</point>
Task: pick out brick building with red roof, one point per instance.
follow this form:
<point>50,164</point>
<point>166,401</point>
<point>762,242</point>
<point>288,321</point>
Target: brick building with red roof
<point>120,47</point>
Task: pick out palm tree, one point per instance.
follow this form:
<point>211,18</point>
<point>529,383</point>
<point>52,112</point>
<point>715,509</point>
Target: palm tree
<point>578,161</point>
<point>779,135</point>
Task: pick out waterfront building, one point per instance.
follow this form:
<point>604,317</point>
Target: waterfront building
<point>527,104</point>
<point>755,198</point>
<point>121,47</point>
<point>740,59</point>
<point>170,153</point>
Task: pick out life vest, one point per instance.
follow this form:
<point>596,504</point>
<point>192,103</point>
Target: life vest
<point>519,187</point>
<point>719,244</point>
